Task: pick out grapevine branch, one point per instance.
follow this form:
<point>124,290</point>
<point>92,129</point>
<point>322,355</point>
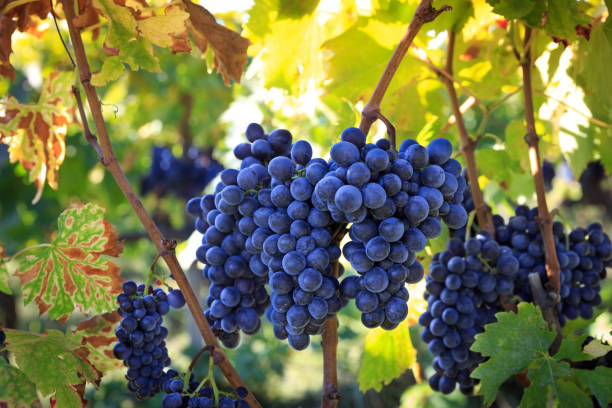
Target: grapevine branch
<point>424,13</point>
<point>553,269</point>
<point>468,145</point>
<point>109,160</point>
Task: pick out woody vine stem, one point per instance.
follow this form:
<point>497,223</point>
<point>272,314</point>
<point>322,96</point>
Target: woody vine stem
<point>109,160</point>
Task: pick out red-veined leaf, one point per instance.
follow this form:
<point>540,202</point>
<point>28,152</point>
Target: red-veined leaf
<point>74,270</point>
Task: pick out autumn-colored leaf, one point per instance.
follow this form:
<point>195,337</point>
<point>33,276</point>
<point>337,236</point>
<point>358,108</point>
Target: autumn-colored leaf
<point>36,134</point>
<point>229,47</point>
<point>16,390</point>
<point>98,338</point>
<point>22,16</point>
<point>53,365</point>
<point>74,270</point>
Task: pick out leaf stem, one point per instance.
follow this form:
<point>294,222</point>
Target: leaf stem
<point>424,13</point>
<point>165,250</point>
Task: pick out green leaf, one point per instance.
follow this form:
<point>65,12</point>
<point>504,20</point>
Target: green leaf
<point>496,165</point>
<point>16,390</point>
<point>386,355</point>
<point>598,381</point>
<point>562,17</point>
<point>4,274</point>
<point>596,349</point>
<point>73,270</point>
<point>512,8</point>
<point>570,396</point>
<point>571,349</point>
<point>455,19</point>
<point>111,71</point>
<point>515,143</point>
<point>511,344</point>
<point>53,364</point>
<point>543,375</point>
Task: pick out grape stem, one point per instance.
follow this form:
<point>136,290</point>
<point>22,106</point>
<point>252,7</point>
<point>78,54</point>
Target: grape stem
<point>424,13</point>
<point>164,247</point>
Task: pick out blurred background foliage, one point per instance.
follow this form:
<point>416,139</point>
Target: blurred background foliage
<point>312,66</point>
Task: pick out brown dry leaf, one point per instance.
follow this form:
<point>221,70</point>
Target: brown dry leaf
<point>230,48</point>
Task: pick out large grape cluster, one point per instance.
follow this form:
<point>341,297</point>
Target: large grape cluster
<point>140,336</point>
<point>394,202</point>
<point>463,288</point>
<point>300,251</point>
<point>197,395</point>
<point>583,256</point>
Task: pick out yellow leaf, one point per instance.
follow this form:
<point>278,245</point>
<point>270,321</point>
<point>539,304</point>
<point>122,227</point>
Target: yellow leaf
<point>162,30</point>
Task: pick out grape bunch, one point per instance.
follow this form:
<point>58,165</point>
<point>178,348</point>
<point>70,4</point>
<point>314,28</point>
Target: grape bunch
<point>197,395</point>
<point>394,202</point>
<point>463,289</point>
<point>580,290</point>
<point>140,335</point>
<point>582,263</point>
<point>235,221</point>
<point>300,251</point>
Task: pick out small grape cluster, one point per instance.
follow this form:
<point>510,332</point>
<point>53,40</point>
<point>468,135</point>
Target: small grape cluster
<point>300,252</point>
<point>140,335</point>
<point>197,395</point>
<point>583,256</point>
<point>463,289</point>
<point>394,202</point>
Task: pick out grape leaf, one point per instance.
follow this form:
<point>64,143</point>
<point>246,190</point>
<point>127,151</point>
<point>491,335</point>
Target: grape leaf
<point>229,47</point>
<point>4,275</point>
<point>36,134</point>
<point>571,349</point>
<point>562,16</point>
<point>22,16</point>
<point>590,71</point>
<point>98,337</point>
<point>134,29</point>
<point>112,68</point>
<point>598,381</point>
<point>596,349</point>
<point>511,344</point>
<point>512,8</point>
<point>73,270</point>
<point>386,355</point>
<point>53,365</point>
<point>16,389</point>
<point>547,376</point>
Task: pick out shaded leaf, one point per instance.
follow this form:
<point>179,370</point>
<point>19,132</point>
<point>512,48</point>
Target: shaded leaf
<point>544,374</point>
<point>98,338</point>
<point>598,381</point>
<point>36,134</point>
<point>386,355</point>
<point>53,365</point>
<point>16,389</point>
<point>230,48</point>
<point>75,269</point>
<point>511,343</point>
